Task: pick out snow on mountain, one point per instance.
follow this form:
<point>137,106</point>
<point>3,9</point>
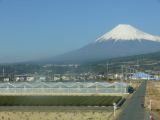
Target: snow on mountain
<point>127,32</point>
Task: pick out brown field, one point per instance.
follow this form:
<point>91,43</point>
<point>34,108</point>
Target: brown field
<point>153,94</point>
<point>135,84</point>
<point>74,115</point>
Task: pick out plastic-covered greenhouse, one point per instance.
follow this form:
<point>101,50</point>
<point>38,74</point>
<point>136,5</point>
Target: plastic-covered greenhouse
<point>52,88</point>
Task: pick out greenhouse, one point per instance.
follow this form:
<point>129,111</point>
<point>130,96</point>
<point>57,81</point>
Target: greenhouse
<point>53,88</point>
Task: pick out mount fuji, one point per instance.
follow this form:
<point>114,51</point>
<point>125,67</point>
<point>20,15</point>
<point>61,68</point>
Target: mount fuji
<point>123,40</point>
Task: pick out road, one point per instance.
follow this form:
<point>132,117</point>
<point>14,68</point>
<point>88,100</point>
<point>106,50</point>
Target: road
<point>135,106</point>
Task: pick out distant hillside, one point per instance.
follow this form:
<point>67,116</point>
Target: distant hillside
<point>143,62</point>
<point>143,57</point>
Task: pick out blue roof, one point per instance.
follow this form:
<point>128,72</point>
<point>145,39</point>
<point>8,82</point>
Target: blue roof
<point>141,75</point>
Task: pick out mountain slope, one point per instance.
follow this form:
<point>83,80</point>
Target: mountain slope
<point>123,40</point>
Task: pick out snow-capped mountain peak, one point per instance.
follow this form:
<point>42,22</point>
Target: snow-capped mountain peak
<point>127,32</point>
<point>124,40</point>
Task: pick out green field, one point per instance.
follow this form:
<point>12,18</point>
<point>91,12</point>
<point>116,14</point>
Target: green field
<point>58,100</point>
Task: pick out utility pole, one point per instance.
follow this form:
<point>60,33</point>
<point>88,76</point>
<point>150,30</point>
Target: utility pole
<point>130,72</point>
<point>137,64</point>
<point>122,77</point>
<point>107,70</point>
<point>134,69</point>
<point>3,72</point>
<point>126,73</point>
<point>122,72</point>
<point>52,76</point>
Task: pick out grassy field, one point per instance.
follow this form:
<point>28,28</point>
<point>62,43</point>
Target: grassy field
<point>58,100</point>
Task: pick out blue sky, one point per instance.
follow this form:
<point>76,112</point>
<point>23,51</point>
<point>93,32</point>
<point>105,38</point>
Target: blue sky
<point>35,29</point>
